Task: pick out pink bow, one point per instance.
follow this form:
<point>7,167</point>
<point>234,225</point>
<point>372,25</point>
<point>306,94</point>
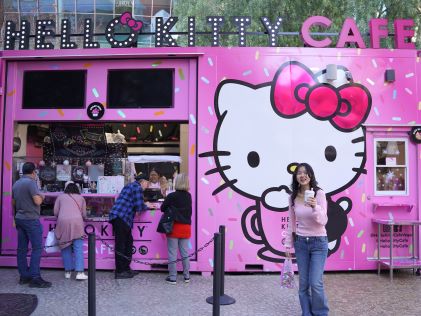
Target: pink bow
<point>126,19</point>
<point>295,90</point>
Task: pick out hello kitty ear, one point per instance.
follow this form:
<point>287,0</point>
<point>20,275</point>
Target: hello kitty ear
<point>229,95</point>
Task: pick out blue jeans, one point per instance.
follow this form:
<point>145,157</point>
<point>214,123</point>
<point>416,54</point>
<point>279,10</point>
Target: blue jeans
<point>311,254</point>
<point>66,254</point>
<point>29,230</point>
<point>173,245</point>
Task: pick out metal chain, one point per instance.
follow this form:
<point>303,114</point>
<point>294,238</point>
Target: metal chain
<point>44,247</point>
<point>151,263</point>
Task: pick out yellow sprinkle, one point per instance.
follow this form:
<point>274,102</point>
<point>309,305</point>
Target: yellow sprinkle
<point>418,59</point>
<point>7,165</point>
<point>157,256</point>
<point>156,63</point>
<point>363,248</point>
<point>256,56</point>
<point>375,253</point>
<point>180,73</point>
<point>386,84</point>
<point>192,149</point>
<point>390,129</point>
<point>221,182</point>
<point>11,93</point>
<point>150,129</point>
<point>87,65</point>
<point>60,111</point>
<point>363,197</point>
<point>410,249</point>
<point>159,113</point>
<point>359,51</point>
<point>419,106</point>
<point>231,246</point>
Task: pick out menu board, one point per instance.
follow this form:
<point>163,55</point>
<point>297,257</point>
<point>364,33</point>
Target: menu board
<point>78,140</point>
<point>110,184</point>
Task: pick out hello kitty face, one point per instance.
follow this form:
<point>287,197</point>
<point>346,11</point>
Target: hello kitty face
<point>264,130</point>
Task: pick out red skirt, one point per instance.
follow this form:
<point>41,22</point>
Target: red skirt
<point>180,231</point>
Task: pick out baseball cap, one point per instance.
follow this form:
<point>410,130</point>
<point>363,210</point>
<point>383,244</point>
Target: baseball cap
<point>140,177</point>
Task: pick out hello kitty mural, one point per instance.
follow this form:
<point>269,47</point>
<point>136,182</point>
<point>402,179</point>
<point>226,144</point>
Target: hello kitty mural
<point>309,119</point>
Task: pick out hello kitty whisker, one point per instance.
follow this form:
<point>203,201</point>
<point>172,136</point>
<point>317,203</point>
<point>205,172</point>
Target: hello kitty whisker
<point>214,154</point>
<point>359,154</point>
<point>360,170</point>
<point>217,170</point>
<point>358,140</point>
<point>224,186</point>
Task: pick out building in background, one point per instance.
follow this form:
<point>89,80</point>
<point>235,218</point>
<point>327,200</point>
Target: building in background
<point>100,11</point>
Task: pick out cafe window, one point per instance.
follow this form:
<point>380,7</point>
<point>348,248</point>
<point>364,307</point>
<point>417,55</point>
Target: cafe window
<point>391,165</point>
<point>141,88</point>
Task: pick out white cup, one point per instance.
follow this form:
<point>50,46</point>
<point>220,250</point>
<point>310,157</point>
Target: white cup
<point>308,194</point>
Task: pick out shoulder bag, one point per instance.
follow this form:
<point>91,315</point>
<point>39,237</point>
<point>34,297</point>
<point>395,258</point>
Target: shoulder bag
<point>166,223</point>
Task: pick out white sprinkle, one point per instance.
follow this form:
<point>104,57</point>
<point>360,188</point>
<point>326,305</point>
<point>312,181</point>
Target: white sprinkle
<point>204,79</point>
<point>266,71</point>
<point>396,118</point>
<point>205,232</point>
<point>247,72</point>
<point>95,92</point>
<point>376,110</point>
<point>210,62</point>
<point>370,81</point>
<point>210,161</point>
<point>176,90</point>
<point>411,74</point>
<point>395,94</point>
<point>205,130</point>
<point>391,216</point>
<point>211,262</point>
<point>210,110</point>
<point>192,119</point>
<point>160,133</point>
<point>342,254</point>
<point>346,240</point>
<point>204,180</point>
<point>408,91</point>
<point>351,222</point>
<point>373,61</point>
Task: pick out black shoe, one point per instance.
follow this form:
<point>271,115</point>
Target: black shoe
<point>134,272</point>
<point>168,280</point>
<point>124,275</point>
<point>186,280</point>
<point>24,280</point>
<point>40,283</point>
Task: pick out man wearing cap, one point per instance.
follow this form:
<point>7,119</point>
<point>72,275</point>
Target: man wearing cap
<point>121,217</point>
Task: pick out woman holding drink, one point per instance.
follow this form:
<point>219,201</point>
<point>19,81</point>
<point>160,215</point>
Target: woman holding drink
<point>307,234</point>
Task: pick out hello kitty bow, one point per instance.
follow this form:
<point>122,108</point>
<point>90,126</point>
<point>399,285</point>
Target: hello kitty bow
<point>126,19</point>
<point>296,90</point>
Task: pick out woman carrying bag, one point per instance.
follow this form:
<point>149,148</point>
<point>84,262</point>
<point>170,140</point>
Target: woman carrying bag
<point>70,209</point>
<point>181,203</point>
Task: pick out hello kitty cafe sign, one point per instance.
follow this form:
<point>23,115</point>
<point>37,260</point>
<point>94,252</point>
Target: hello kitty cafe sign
<point>403,30</point>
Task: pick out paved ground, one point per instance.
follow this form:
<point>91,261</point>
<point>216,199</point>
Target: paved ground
<point>351,293</point>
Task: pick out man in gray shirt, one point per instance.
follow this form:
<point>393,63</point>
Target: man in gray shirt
<point>27,200</point>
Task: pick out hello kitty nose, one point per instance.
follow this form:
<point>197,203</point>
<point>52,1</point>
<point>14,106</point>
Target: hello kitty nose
<point>291,167</point>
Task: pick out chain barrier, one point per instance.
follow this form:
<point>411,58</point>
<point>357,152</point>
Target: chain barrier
<point>118,253</point>
<point>44,247</point>
<point>152,263</point>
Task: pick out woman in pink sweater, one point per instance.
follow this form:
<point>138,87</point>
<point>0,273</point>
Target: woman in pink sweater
<point>70,209</point>
<point>308,217</point>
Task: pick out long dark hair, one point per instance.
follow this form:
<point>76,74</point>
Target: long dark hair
<point>295,186</point>
<point>71,188</point>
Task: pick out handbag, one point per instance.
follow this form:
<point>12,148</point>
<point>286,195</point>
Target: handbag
<point>287,275</point>
<point>51,243</point>
<point>166,223</point>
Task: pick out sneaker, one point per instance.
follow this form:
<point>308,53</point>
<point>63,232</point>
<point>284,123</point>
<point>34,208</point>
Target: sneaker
<point>24,280</point>
<point>168,280</point>
<point>124,275</point>
<point>67,274</point>
<point>186,280</point>
<point>40,283</point>
<point>81,276</point>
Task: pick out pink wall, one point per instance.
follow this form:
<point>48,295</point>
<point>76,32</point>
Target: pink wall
<point>241,107</point>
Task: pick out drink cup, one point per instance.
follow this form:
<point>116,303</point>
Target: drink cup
<point>308,194</point>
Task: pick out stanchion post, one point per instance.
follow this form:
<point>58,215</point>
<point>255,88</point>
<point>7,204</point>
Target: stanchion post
<point>215,299</point>
<point>224,299</point>
<point>91,275</point>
